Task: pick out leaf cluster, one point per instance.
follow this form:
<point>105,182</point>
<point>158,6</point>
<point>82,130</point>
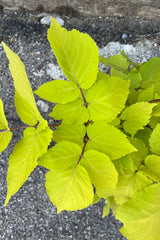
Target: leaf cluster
<point>108,145</point>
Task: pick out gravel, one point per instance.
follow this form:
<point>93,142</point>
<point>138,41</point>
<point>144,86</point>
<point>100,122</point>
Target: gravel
<point>30,215</point>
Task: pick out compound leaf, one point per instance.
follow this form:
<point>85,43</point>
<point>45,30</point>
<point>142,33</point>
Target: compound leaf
<point>71,133</point>
<point>71,113</point>
<point>24,158</point>
<point>58,91</point>
<point>100,169</point>
<point>5,134</point>
<point>70,189</point>
<point>109,140</point>
<point>24,98</point>
<point>107,98</point>
<point>76,53</point>
<point>63,155</point>
<point>141,215</point>
<point>154,140</point>
<point>151,167</point>
<point>136,116</point>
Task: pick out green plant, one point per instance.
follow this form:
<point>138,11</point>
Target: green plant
<point>108,145</point>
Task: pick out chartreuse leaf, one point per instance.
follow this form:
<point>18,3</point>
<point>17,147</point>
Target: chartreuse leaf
<point>76,53</point>
<point>151,167</point>
<point>117,73</point>
<point>128,185</point>
<point>117,61</point>
<point>134,77</point>
<point>24,99</point>
<point>101,76</point>
<point>70,189</point>
<point>144,135</point>
<point>100,169</point>
<point>132,96</point>
<point>129,180</point>
<point>106,209</point>
<point>131,162</point>
<point>154,140</point>
<point>71,133</point>
<point>71,113</point>
<point>136,116</point>
<point>63,155</point>
<point>58,91</point>
<point>109,140</point>
<point>107,98</point>
<point>154,121</point>
<point>150,74</point>
<point>96,199</point>
<point>141,215</point>
<point>142,150</point>
<point>156,110</point>
<point>5,134</point>
<point>24,158</point>
<point>146,95</point>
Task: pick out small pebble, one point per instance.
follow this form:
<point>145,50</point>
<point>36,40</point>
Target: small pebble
<point>124,36</point>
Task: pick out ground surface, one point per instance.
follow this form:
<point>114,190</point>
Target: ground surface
<point>29,214</point>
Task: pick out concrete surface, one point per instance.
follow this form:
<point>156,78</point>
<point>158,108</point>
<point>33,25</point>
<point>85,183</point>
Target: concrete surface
<point>142,8</point>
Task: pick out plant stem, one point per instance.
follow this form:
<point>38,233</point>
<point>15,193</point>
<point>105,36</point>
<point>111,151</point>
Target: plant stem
<point>86,138</point>
<point>84,99</point>
<point>154,101</point>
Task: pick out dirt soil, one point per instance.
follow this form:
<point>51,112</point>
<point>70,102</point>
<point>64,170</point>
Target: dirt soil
<point>101,29</point>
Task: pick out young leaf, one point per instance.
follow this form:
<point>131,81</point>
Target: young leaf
<point>100,169</point>
<point>146,95</point>
<point>135,79</point>
<point>117,61</point>
<point>150,74</point>
<point>132,96</point>
<point>106,210</point>
<point>136,116</point>
<point>109,140</point>
<point>141,152</point>
<point>71,113</point>
<point>24,158</point>
<point>58,91</point>
<point>71,133</point>
<point>154,140</point>
<point>24,99</point>
<point>151,167</point>
<point>107,98</point>
<point>101,76</point>
<point>141,215</point>
<point>76,53</point>
<point>70,189</point>
<point>5,135</point>
<point>128,185</point>
<point>144,135</point>
<point>63,155</point>
<point>131,162</point>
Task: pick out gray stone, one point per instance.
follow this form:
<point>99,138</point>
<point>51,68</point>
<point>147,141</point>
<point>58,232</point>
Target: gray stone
<point>43,106</point>
<point>47,20</point>
<point>142,51</point>
<point>54,71</point>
